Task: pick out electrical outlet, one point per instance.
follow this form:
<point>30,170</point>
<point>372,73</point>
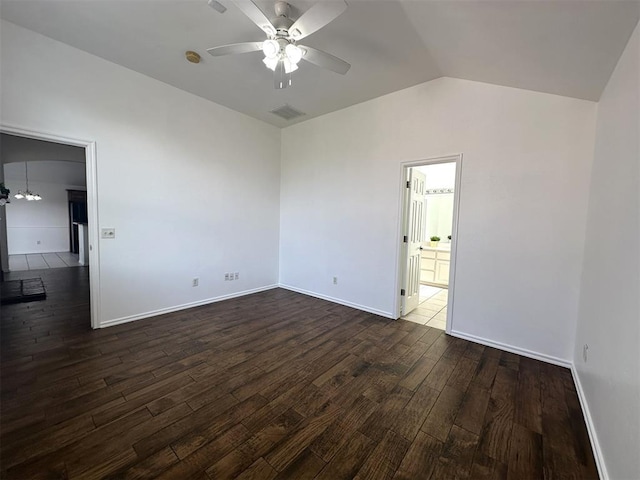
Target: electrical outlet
<point>226,277</point>
<point>38,242</point>
<point>108,233</point>
<point>335,280</point>
<point>236,275</point>
<point>585,350</point>
<point>195,282</point>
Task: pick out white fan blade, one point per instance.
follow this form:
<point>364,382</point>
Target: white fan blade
<point>251,10</point>
<point>246,47</point>
<point>319,15</point>
<point>217,6</point>
<point>324,60</point>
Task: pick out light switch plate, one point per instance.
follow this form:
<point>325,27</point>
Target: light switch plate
<point>108,233</point>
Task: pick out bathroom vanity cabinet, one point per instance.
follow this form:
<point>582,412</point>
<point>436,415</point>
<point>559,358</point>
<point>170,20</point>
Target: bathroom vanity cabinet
<point>434,265</point>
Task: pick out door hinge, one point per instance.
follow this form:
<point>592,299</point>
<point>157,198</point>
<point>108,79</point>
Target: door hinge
<point>408,184</point>
<point>405,239</point>
<point>402,292</point>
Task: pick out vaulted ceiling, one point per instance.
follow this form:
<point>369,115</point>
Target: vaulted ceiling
<point>564,47</point>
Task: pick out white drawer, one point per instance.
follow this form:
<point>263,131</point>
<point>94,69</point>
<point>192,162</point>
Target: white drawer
<point>444,255</point>
<point>428,254</point>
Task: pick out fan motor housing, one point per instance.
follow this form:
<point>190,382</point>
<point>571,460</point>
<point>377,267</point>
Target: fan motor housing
<point>282,22</point>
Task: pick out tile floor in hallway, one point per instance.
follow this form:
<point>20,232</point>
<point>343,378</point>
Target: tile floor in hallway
<point>41,261</point>
<point>432,309</point>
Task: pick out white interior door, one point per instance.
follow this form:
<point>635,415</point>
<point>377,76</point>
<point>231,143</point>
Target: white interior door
<point>414,235</point>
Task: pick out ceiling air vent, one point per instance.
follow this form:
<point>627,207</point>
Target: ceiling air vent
<point>287,112</point>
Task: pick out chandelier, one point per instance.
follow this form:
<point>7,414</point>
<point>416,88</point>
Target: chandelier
<point>27,194</point>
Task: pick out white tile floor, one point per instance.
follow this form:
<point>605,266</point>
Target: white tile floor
<point>432,309</point>
<point>41,261</point>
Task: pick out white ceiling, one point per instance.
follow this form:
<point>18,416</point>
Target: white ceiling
<point>565,47</point>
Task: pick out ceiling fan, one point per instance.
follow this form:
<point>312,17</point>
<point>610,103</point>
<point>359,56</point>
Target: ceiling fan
<point>282,53</point>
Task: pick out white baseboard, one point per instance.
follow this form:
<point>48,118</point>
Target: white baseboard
<point>510,348</point>
<point>595,445</point>
<point>42,252</point>
<point>339,301</point>
<point>153,313</point>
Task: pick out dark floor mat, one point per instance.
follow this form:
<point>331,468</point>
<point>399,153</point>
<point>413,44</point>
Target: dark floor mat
<point>19,291</point>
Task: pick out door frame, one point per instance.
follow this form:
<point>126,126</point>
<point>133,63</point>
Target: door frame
<point>401,253</point>
<point>91,168</point>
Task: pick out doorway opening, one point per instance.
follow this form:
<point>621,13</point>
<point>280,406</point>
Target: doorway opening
<point>429,220</point>
<point>42,237</point>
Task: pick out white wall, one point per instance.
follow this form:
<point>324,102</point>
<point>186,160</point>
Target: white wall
<point>43,226</point>
<point>609,315</point>
<point>439,216</point>
<point>191,187</point>
<point>525,176</point>
<point>439,205</point>
<point>439,175</point>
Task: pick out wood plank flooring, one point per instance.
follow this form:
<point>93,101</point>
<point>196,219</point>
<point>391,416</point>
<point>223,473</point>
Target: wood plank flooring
<point>275,385</point>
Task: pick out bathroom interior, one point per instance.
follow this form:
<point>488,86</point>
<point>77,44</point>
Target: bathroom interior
<point>435,254</point>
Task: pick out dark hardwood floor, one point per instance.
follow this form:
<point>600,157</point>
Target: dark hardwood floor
<point>270,386</point>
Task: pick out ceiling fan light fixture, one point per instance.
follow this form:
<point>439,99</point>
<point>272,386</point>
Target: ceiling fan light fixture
<point>289,66</point>
<point>271,63</point>
<point>281,53</point>
<point>270,48</point>
<point>293,53</point>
